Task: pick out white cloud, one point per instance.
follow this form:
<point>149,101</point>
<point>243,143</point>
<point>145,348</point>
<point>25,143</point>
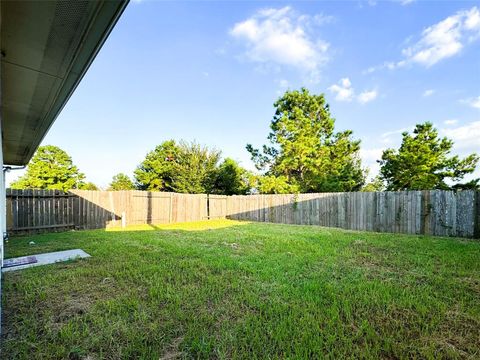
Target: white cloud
<point>369,159</point>
<point>439,41</point>
<point>445,38</point>
<point>428,92</point>
<point>390,65</point>
<point>321,19</point>
<point>343,90</point>
<point>473,102</point>
<point>371,155</point>
<point>450,122</point>
<point>392,137</point>
<point>406,2</point>
<point>394,132</point>
<point>472,20</point>
<point>283,83</point>
<point>281,36</point>
<point>367,96</point>
<point>466,137</point>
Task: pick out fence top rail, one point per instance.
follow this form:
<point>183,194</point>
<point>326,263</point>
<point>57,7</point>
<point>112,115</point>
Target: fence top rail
<point>40,195</point>
<point>73,192</point>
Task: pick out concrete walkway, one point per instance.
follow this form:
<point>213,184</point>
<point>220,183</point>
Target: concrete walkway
<point>43,259</point>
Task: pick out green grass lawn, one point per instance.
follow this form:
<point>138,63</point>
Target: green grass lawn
<point>225,289</point>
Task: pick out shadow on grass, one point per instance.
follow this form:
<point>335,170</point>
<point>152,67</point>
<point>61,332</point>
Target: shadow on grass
<point>23,245</point>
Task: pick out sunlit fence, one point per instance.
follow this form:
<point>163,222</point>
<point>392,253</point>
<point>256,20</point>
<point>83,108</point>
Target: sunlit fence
<point>53,210</point>
<point>436,212</point>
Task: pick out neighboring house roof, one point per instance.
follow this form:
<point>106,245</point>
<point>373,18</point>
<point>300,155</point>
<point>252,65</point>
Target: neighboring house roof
<point>46,48</point>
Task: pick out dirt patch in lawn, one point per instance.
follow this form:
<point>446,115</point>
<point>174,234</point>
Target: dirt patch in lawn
<point>173,351</point>
<point>376,262</point>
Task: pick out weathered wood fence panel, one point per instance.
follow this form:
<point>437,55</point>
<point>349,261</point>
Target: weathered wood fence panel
<point>29,210</point>
<point>217,206</point>
<point>435,212</point>
<point>189,207</point>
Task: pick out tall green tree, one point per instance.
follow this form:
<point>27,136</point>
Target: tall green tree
<point>305,149</point>
<point>51,168</point>
<point>121,182</point>
<point>231,179</point>
<point>375,185</point>
<point>180,167</point>
<point>269,184</point>
<point>157,171</point>
<point>88,186</point>
<point>423,162</point>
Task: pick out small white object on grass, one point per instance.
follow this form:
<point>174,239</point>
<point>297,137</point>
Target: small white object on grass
<point>31,243</point>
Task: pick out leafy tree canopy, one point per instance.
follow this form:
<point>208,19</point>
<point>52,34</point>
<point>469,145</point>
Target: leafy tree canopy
<point>179,167</point>
<point>375,185</point>
<point>423,162</point>
<point>231,179</point>
<point>305,149</point>
<point>88,186</point>
<point>51,168</point>
<point>121,182</point>
<point>269,184</point>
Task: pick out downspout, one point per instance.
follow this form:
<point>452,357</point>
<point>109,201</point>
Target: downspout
<point>6,168</point>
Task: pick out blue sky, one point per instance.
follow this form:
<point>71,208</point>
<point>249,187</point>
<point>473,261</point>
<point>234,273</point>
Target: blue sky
<point>211,71</point>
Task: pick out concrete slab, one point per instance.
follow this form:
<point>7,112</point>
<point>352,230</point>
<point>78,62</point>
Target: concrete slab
<point>46,258</point>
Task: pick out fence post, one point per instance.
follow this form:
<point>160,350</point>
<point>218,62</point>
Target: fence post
<point>208,206</point>
<point>9,216</point>
<point>124,219</point>
<point>476,215</point>
<point>170,208</point>
<point>112,208</point>
<point>425,214</point>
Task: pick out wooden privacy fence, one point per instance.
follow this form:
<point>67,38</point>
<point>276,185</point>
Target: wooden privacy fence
<point>436,212</point>
<point>54,210</point>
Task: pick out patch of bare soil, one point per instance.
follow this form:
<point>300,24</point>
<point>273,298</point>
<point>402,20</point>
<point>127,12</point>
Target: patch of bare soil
<point>173,351</point>
<point>376,261</point>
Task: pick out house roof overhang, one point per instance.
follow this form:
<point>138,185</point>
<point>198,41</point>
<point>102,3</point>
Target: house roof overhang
<point>46,48</point>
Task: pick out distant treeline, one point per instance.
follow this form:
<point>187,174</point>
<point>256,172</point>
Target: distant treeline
<point>304,154</point>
